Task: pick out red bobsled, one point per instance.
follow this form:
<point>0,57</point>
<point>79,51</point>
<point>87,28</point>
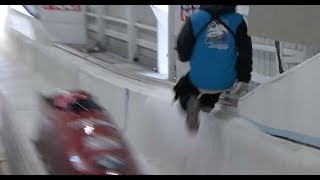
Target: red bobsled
<point>77,137</point>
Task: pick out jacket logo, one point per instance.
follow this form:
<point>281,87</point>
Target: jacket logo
<point>217,35</point>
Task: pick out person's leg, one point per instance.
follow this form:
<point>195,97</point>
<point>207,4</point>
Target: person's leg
<point>193,109</point>
<point>185,89</point>
<point>185,98</point>
<point>188,97</point>
<point>208,101</point>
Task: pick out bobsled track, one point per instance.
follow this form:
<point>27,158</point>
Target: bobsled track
<point>275,129</point>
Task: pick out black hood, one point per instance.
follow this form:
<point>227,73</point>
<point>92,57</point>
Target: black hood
<point>219,9</point>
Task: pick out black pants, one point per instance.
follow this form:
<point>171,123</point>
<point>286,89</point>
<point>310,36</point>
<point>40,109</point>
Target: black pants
<point>184,89</point>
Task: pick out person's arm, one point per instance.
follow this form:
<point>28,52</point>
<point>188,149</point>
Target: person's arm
<point>185,42</point>
<point>244,61</point>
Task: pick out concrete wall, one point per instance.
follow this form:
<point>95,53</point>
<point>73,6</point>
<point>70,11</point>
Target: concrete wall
<point>290,101</point>
<point>141,14</point>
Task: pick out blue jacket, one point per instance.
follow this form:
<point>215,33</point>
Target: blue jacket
<point>217,58</point>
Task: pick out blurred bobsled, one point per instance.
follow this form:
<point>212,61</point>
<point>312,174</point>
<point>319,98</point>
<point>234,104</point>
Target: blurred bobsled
<point>77,137</point>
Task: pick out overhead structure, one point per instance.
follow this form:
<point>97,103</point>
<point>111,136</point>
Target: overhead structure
<point>296,24</point>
